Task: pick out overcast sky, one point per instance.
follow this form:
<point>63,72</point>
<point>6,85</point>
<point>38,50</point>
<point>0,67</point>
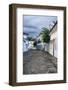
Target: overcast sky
<point>34,24</point>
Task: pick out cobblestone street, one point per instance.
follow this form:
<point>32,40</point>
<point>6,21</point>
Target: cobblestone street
<point>39,62</point>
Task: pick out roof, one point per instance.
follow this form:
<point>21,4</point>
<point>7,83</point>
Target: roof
<point>53,26</point>
<point>25,33</point>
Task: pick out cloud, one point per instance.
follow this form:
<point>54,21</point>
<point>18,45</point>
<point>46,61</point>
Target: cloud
<point>36,23</point>
<point>29,26</point>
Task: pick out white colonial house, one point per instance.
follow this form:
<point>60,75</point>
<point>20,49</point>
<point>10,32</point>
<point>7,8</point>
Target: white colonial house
<point>42,45</point>
<point>53,47</point>
<point>31,44</point>
<point>25,42</point>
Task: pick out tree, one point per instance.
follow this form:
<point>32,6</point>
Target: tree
<point>45,35</point>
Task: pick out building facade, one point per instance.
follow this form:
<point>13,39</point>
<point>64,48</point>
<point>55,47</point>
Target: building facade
<point>53,44</point>
<point>25,42</point>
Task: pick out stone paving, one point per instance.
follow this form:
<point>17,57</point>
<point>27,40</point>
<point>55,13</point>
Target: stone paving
<point>38,62</point>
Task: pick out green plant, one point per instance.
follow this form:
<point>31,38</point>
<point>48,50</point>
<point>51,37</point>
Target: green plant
<point>45,35</point>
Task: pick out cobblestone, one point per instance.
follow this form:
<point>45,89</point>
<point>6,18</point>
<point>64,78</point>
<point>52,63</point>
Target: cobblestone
<point>39,62</point>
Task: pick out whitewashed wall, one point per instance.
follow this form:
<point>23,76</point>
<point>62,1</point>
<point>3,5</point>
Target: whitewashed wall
<point>53,36</point>
<point>25,43</point>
